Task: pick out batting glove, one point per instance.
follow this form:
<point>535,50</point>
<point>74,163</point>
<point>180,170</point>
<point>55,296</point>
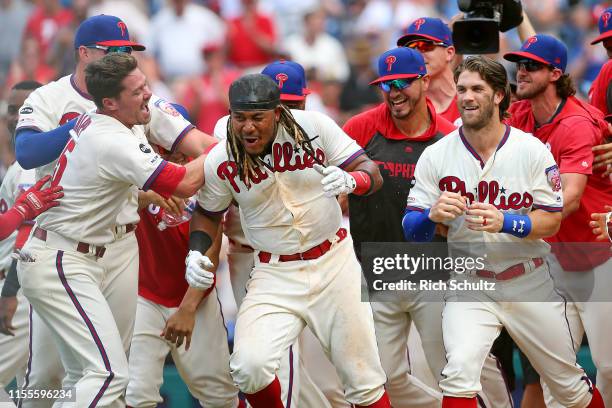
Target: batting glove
<point>335,180</point>
<point>198,274</point>
<point>34,201</point>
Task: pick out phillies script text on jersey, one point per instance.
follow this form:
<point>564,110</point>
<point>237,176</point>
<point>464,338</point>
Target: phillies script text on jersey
<point>282,156</point>
<point>488,191</point>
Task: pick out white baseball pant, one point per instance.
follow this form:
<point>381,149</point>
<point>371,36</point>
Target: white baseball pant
<point>473,320</point>
<point>590,317</point>
<point>324,293</point>
<point>297,387</point>
<point>89,305</point>
<point>204,367</point>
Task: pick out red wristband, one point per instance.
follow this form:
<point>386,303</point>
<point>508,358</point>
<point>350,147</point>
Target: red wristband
<point>363,182</point>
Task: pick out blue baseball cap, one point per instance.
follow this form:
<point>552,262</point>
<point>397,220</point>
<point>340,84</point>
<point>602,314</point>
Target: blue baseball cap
<point>542,48</point>
<point>605,26</point>
<point>427,28</point>
<point>290,78</point>
<point>104,30</point>
<point>400,63</point>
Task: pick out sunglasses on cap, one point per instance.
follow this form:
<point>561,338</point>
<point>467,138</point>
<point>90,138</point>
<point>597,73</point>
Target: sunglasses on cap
<point>424,45</point>
<point>126,49</point>
<point>398,84</point>
<point>531,65</point>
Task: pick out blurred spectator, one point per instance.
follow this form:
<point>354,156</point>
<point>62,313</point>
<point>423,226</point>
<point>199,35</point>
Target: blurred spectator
<point>45,22</point>
<point>29,65</point>
<point>61,54</point>
<point>251,37</point>
<point>133,13</point>
<point>177,34</point>
<point>357,94</point>
<point>13,16</point>
<point>206,97</point>
<point>321,55</point>
<point>288,14</point>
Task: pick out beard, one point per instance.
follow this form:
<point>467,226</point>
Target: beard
<point>533,90</point>
<point>482,120</point>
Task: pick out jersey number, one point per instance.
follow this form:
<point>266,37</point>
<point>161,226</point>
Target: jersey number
<point>60,167</point>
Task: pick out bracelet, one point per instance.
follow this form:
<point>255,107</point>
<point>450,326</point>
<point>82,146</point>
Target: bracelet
<point>517,224</point>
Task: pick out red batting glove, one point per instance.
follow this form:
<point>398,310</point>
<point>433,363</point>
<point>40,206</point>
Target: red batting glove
<point>34,201</point>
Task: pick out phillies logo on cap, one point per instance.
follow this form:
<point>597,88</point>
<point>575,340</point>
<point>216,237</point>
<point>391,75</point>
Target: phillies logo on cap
<point>122,27</point>
<point>530,41</point>
<point>605,18</point>
<point>390,60</point>
<point>281,78</point>
<point>419,23</point>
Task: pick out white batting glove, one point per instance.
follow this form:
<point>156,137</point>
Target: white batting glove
<point>335,181</point>
<point>198,274</point>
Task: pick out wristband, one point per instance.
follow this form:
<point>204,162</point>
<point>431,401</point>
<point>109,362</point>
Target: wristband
<point>517,224</point>
<point>200,241</point>
<point>363,182</point>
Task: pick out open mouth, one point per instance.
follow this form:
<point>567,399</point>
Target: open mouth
<point>470,108</point>
<point>145,109</point>
<point>250,141</point>
<point>398,102</point>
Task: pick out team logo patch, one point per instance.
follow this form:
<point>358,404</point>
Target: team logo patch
<point>554,177</point>
<point>122,27</point>
<point>530,41</point>
<point>281,78</point>
<point>144,148</point>
<point>584,164</point>
<point>605,17</point>
<point>390,60</point>
<point>418,23</point>
<point>167,108</point>
<point>26,110</point>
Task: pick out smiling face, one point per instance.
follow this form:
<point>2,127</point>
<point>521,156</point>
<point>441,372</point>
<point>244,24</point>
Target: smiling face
<point>131,106</point>
<point>256,130</point>
<point>531,84</point>
<point>477,102</point>
<point>402,102</point>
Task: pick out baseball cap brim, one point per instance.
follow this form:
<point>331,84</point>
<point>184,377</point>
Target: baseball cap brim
<point>392,77</point>
<point>602,37</point>
<point>410,37</point>
<point>122,43</point>
<point>519,55</point>
<point>292,97</point>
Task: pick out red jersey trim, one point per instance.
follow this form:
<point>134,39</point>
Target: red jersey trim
<point>165,179</point>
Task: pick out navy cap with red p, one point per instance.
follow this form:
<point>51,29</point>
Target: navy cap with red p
<point>290,78</point>
<point>542,48</point>
<point>106,31</point>
<point>400,63</point>
<point>427,28</point>
<point>605,26</point>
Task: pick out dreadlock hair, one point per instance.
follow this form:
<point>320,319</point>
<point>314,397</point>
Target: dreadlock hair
<point>247,163</point>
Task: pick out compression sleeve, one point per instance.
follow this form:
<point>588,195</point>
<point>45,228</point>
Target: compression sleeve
<point>9,222</point>
<point>34,148</point>
<point>417,226</point>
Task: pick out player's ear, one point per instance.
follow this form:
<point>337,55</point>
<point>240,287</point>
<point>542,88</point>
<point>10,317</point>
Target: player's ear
<point>277,113</point>
<point>110,104</point>
<point>425,82</point>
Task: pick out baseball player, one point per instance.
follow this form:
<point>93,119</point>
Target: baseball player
<point>551,113</point>
<point>165,304</point>
<point>394,135</point>
<point>284,169</point>
<point>297,387</point>
<point>53,105</point>
<point>63,280</point>
<point>13,308</point>
<point>491,183</point>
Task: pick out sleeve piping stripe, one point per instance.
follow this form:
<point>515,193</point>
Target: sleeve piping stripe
<point>412,208</point>
<point>153,176</point>
<point>548,208</point>
<point>351,158</point>
<point>181,136</point>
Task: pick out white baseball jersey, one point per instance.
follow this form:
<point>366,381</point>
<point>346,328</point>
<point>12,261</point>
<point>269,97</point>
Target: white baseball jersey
<point>58,102</point>
<point>284,211</point>
<point>97,170</point>
<point>520,177</point>
<point>16,181</point>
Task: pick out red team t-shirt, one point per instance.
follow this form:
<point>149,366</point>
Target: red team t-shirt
<point>570,135</point>
<point>452,111</point>
<point>161,276</point>
<point>599,89</point>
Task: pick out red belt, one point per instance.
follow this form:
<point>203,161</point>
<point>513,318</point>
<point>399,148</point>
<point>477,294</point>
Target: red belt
<point>312,253</point>
<point>81,247</point>
<point>511,272</point>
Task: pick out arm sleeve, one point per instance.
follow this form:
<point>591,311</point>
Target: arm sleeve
<point>340,150</point>
<point>215,196</point>
<point>418,227</point>
<point>9,222</point>
<point>576,155</point>
<point>34,148</point>
<point>425,190</point>
<point>167,127</point>
<point>546,182</point>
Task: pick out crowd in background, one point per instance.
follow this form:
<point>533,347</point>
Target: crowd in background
<point>196,48</point>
